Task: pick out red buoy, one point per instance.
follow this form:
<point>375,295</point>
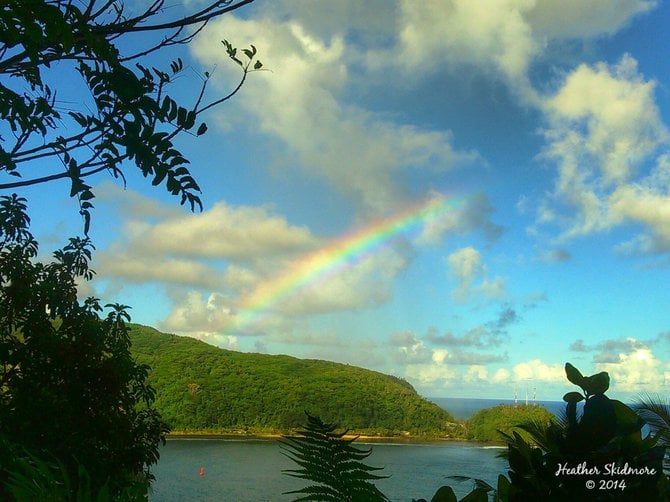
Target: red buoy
<point>202,471</point>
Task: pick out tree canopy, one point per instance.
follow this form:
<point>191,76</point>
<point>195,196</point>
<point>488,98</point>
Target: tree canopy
<point>69,386</point>
<point>75,407</point>
<point>204,388</point>
<point>129,115</point>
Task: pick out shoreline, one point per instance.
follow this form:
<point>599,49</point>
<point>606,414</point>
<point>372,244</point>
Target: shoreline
<point>361,438</point>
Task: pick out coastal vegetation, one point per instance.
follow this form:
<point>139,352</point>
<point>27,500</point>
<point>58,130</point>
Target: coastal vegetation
<point>76,414</point>
<point>600,454</point>
<point>202,388</point>
<point>487,424</point>
<point>71,395</point>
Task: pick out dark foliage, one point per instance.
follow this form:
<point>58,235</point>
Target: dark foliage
<point>600,455</point>
<point>129,115</point>
<point>333,463</point>
<point>69,387</point>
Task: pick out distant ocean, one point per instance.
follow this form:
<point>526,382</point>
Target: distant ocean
<point>464,408</point>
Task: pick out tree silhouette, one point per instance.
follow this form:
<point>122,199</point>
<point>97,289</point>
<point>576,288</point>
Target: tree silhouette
<point>129,116</point>
<point>69,387</point>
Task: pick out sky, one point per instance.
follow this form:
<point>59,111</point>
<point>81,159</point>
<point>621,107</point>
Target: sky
<point>465,194</point>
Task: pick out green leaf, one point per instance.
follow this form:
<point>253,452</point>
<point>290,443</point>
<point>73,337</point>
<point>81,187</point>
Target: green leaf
<point>503,488</point>
<point>573,397</point>
<point>202,129</point>
<point>596,384</point>
<point>627,420</point>
<point>476,495</point>
<point>574,375</point>
<point>258,65</point>
<point>444,494</point>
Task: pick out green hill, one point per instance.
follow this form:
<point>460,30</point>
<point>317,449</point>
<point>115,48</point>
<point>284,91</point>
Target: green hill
<point>485,424</point>
<point>204,388</point>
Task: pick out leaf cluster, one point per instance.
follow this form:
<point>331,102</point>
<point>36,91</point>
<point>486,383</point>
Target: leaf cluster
<point>60,360</point>
<point>608,433</point>
<point>131,117</point>
<point>333,463</point>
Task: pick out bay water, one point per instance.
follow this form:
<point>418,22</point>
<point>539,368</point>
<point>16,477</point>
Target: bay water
<point>250,470</point>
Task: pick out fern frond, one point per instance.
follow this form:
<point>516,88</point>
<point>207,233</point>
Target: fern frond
<point>326,458</point>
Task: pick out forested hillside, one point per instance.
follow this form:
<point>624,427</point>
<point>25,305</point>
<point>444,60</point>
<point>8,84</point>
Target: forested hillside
<point>485,424</point>
<point>205,388</point>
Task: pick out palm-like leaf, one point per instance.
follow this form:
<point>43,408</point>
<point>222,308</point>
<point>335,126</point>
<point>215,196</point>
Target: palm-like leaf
<point>655,411</point>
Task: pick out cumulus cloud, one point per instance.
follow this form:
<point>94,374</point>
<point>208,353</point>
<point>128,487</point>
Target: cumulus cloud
<point>252,257</point>
<point>440,375</point>
<point>467,266</point>
<point>325,282</point>
<point>635,370</point>
<point>355,151</point>
<point>473,214</point>
<point>501,38</point>
<point>433,375</point>
<point>492,34</point>
<point>409,350</point>
<point>538,371</point>
<point>579,346</point>
<point>476,373</point>
<point>196,313</point>
<point>224,232</point>
<point>605,129</point>
<point>632,364</point>
<point>127,267</point>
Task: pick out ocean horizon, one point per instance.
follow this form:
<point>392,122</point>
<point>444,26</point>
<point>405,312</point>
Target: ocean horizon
<point>462,408</point>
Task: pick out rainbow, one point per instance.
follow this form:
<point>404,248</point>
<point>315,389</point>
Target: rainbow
<point>338,256</point>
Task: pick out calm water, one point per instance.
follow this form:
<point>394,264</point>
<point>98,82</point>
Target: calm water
<point>248,470</point>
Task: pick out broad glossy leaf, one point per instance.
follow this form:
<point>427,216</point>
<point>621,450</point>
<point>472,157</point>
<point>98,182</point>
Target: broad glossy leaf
<point>596,384</point>
<point>574,375</point>
<point>573,397</point>
<point>444,494</point>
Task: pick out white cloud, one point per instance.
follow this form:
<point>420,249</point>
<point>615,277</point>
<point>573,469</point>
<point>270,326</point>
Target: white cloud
<point>609,115</point>
<point>464,215</point>
<point>536,370</point>
<point>501,37</point>
<point>193,313</point>
<point>224,232</point>
<point>476,373</point>
<point>605,130</point>
<point>409,350</point>
<point>467,266</point>
<point>638,370</point>
<point>300,102</point>
<point>432,375</point>
<point>486,34</point>
<point>126,266</point>
<point>501,375</point>
<point>172,247</point>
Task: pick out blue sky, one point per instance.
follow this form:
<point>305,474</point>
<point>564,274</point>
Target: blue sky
<point>547,120</point>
